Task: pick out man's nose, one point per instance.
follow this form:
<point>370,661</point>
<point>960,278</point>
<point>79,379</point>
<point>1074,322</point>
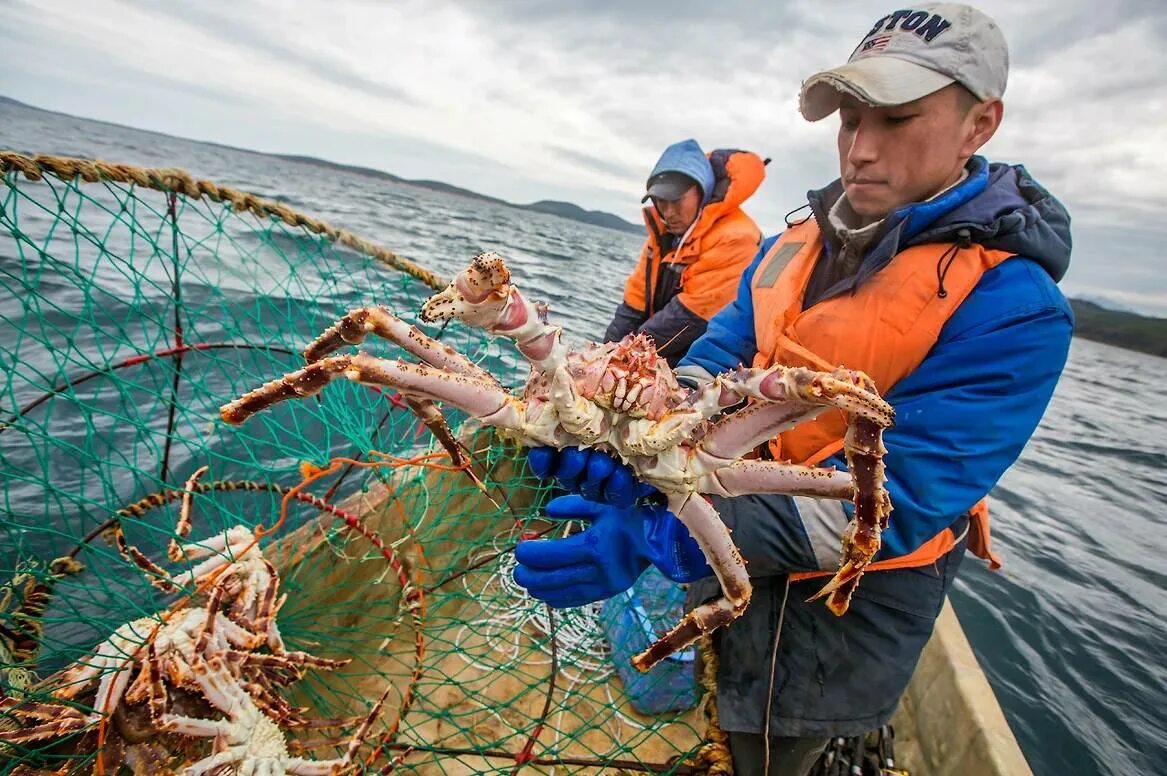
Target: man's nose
<point>864,147</point>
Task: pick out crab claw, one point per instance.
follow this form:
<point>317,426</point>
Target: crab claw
<point>481,295</point>
<point>476,295</point>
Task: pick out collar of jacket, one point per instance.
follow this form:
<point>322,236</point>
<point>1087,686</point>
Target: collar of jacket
<point>900,229</point>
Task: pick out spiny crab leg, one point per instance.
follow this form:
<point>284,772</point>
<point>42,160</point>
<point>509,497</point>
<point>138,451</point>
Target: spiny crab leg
<point>228,548</point>
<point>712,536</point>
<point>753,425</point>
<point>747,477</point>
<point>51,720</point>
<point>790,396</point>
<point>486,401</point>
<point>792,388</point>
<point>357,324</point>
<point>863,447</point>
<point>787,396</point>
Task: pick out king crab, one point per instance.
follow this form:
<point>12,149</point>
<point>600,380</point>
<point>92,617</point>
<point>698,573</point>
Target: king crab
<point>623,398</point>
<point>205,653</point>
<point>246,739</point>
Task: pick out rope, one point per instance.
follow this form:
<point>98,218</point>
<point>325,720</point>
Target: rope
<point>176,181</point>
<point>176,291</point>
<point>714,756</point>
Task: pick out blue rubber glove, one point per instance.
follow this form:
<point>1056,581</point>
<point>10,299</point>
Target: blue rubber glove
<point>595,475</point>
<point>609,555</point>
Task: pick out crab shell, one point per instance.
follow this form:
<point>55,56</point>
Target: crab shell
<point>627,377</point>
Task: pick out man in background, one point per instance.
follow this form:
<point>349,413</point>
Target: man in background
<point>699,243</point>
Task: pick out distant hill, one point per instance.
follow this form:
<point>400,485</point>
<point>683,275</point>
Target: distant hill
<point>1106,303</point>
<point>561,209</point>
<point>577,213</point>
<point>1122,329</point>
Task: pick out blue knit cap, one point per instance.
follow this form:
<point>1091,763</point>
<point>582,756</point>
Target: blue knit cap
<point>687,158</point>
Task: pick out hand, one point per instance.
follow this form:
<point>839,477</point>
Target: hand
<point>609,555</point>
<point>593,474</point>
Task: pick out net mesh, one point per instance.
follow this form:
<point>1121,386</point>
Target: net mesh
<point>132,305</point>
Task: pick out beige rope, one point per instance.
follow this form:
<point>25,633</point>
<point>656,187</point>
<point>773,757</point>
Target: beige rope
<point>714,756</point>
<point>173,180</point>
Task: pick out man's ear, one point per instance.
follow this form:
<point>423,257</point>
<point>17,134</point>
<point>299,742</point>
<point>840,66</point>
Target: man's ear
<point>982,121</point>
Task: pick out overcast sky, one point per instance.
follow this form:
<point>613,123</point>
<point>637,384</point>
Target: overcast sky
<point>527,100</point>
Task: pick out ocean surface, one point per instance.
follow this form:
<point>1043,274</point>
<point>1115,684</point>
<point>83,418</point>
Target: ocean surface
<point>1072,632</point>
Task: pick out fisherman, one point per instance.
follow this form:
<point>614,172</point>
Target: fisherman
<point>699,243</point>
<point>932,270</point>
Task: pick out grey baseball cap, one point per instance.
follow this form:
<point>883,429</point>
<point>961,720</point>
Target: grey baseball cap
<point>911,53</point>
<point>668,185</point>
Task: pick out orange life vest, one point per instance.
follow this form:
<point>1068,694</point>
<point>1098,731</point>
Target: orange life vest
<point>719,248</point>
<point>885,328</point>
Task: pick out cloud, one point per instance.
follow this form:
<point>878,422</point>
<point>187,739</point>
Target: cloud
<point>219,22</point>
<point>596,162</point>
<point>527,100</point>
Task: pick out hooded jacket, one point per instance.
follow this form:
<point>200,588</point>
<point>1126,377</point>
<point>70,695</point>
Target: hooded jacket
<point>962,418</point>
<point>675,288</point>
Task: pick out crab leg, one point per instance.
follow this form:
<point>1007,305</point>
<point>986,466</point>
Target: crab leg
<point>863,446</point>
<point>157,575</point>
<point>789,396</point>
<point>359,323</point>
<point>159,699</point>
<point>229,631</point>
<point>747,477</point>
<point>53,720</point>
<point>270,703</point>
<point>712,536</point>
<point>113,653</point>
<point>113,685</point>
<point>182,528</point>
<point>232,553</point>
<point>215,545</point>
<point>269,605</point>
<point>486,401</point>
<point>796,392</point>
<point>735,435</point>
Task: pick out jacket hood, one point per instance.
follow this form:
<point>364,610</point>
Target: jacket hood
<point>738,175</point>
<point>687,158</point>
<point>1000,206</point>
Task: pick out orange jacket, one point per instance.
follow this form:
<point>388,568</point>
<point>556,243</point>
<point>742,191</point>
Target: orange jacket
<point>885,328</point>
<point>717,251</point>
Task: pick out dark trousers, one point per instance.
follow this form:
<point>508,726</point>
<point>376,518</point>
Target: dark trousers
<point>788,756</point>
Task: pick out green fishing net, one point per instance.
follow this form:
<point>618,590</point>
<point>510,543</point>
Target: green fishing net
<point>133,303</point>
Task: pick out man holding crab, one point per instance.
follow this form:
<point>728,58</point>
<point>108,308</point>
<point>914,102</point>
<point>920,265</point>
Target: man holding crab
<point>934,272</point>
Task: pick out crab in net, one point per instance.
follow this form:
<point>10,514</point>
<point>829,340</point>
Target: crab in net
<point>624,398</point>
<point>189,673</point>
